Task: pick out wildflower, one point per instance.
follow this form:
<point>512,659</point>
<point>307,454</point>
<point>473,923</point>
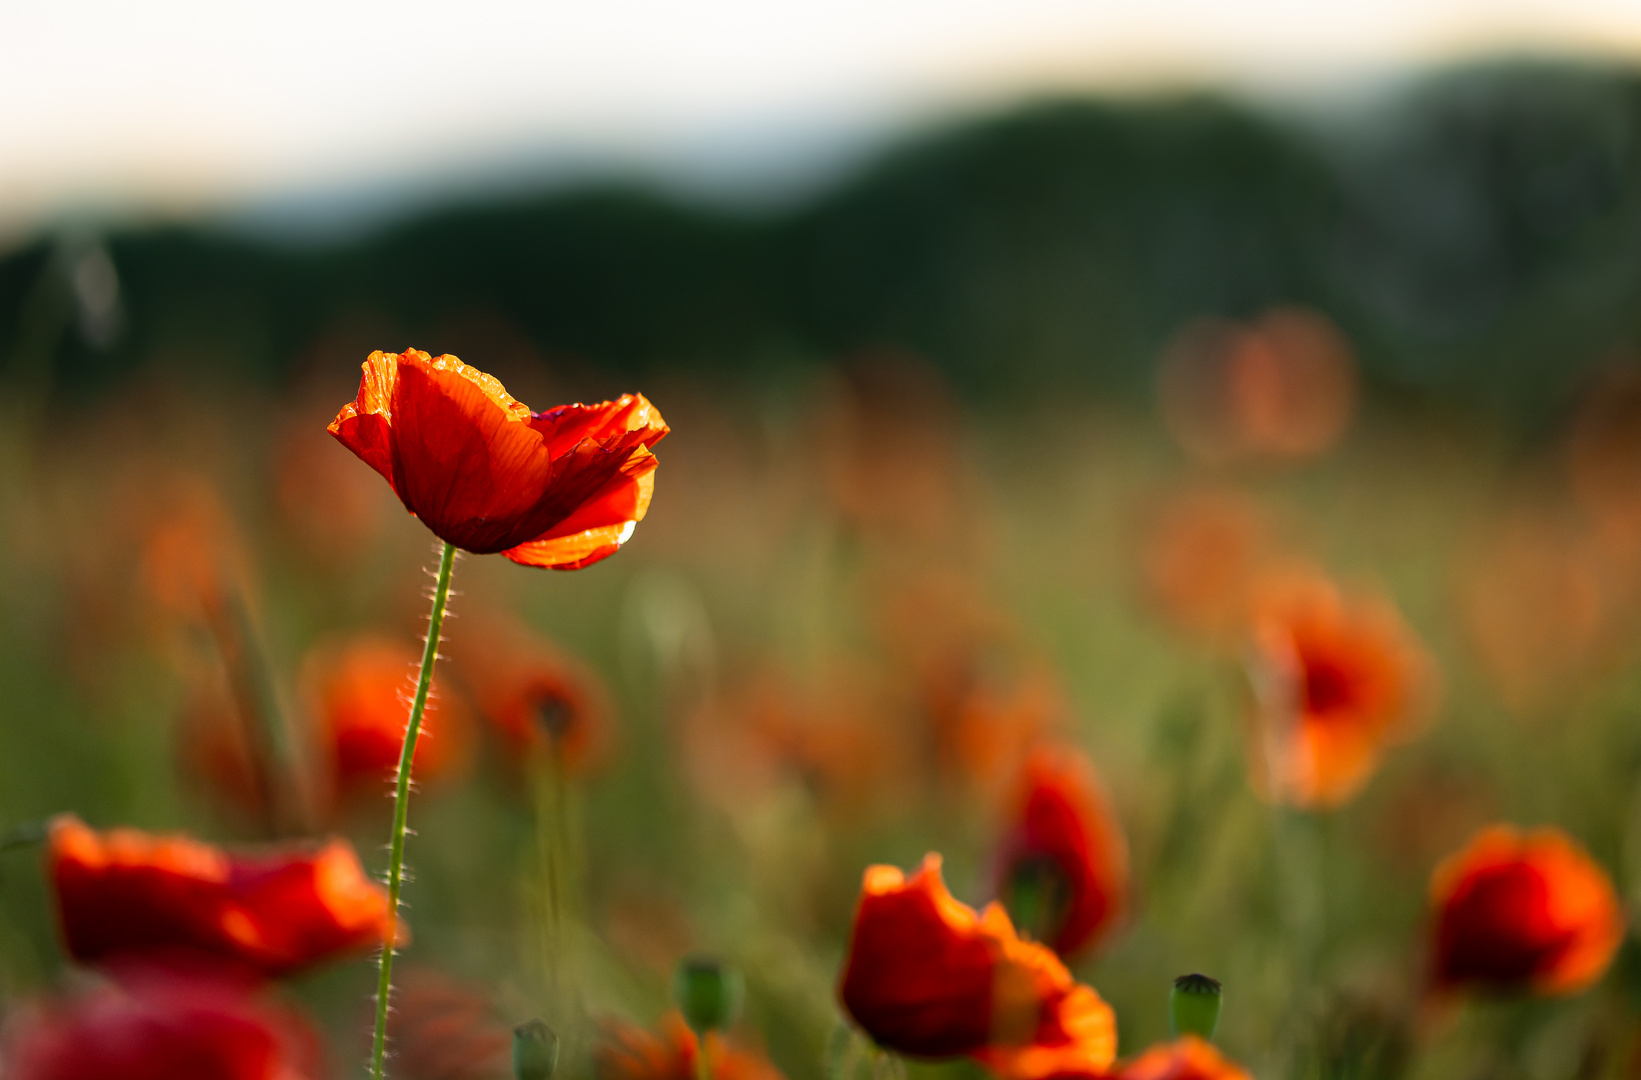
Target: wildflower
<point>125,895</point>
<point>1523,912</point>
<point>626,1051</point>
<point>537,698</point>
<point>1187,1058</point>
<point>1337,680</point>
<point>1282,388</point>
<point>159,1026</point>
<point>930,977</point>
<point>1202,551</point>
<point>444,1029</point>
<point>1063,856</point>
<point>561,489</point>
<point>357,691</point>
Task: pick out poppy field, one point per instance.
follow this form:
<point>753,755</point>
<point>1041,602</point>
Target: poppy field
<point>836,719</point>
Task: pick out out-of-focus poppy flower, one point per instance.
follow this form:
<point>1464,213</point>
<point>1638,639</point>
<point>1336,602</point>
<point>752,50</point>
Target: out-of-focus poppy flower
<point>1202,552</point>
<point>626,1051</point>
<point>329,506</point>
<point>1523,912</point>
<point>538,699</point>
<point>928,976</point>
<point>444,1029</point>
<point>160,1026</point>
<point>1536,603</point>
<point>359,693</point>
<point>1062,867</point>
<point>124,895</point>
<point>1188,1058</point>
<point>192,557</point>
<point>561,489</point>
<point>1603,453</point>
<point>1337,680</point>
<point>1283,388</point>
<point>215,750</point>
<point>889,441</point>
<point>768,732</point>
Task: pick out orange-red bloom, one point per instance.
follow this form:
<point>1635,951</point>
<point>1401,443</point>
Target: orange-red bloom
<point>160,1027</point>
<point>359,692</point>
<point>1337,679</point>
<point>628,1052</point>
<point>1189,1058</point>
<point>125,895</point>
<point>537,698</point>
<point>1063,857</point>
<point>1523,911</point>
<point>561,489</point>
<point>930,977</point>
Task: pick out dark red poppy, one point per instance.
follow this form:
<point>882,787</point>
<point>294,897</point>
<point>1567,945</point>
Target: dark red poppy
<point>160,1027</point>
<point>626,1051</point>
<point>125,895</point>
<point>1523,912</point>
<point>928,976</point>
<point>1188,1058</point>
<point>561,489</point>
<point>1062,867</point>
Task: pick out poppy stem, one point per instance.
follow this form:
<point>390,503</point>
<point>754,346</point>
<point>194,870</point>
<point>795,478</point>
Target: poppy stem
<point>401,798</point>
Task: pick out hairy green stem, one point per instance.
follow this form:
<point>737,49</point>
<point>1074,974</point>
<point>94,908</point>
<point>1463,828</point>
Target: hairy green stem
<point>401,798</point>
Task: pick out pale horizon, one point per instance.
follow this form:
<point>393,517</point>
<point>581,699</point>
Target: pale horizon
<point>185,108</point>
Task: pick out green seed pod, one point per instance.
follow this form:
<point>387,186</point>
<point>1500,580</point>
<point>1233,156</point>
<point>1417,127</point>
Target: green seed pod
<point>708,993</point>
<point>1193,1006</point>
<point>535,1051</point>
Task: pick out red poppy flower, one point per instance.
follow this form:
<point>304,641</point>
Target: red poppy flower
<point>561,489</point>
<point>160,1027</point>
<point>445,1029</point>
<point>359,693</point>
<point>1063,856</point>
<point>628,1052</point>
<point>537,698</point>
<point>125,895</point>
<point>929,977</point>
<point>1189,1058</point>
<point>1337,681</point>
<point>1519,911</point>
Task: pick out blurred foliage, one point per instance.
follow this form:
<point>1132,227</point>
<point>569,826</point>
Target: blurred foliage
<point>1478,234</point>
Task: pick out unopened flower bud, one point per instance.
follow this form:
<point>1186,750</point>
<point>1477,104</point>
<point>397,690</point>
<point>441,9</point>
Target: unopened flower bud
<point>1193,1006</point>
<point>708,993</point>
<point>535,1051</point>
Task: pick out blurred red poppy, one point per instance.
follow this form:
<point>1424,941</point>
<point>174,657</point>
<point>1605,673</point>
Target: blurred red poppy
<point>1523,912</point>
<point>626,1051</point>
<point>444,1029</point>
<point>125,895</point>
<point>158,1026</point>
<point>1062,867</point>
<point>359,696</point>
<point>1337,680</point>
<point>540,700</point>
<point>1283,387</point>
<point>1202,552</point>
<point>928,976</point>
<point>561,489</point>
<point>1188,1058</point>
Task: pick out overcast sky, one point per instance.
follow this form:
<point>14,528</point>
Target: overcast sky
<point>185,105</point>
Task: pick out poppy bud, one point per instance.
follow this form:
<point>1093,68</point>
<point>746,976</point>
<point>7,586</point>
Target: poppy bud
<point>708,993</point>
<point>535,1051</point>
<point>1193,1007</point>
